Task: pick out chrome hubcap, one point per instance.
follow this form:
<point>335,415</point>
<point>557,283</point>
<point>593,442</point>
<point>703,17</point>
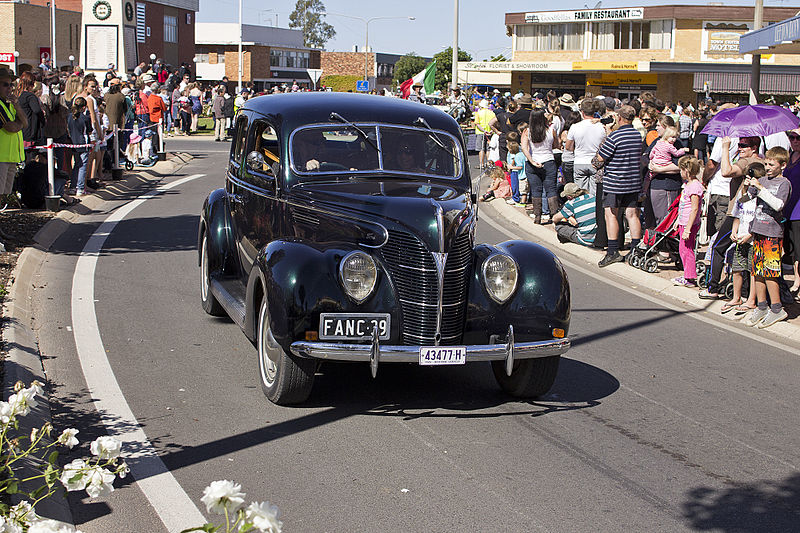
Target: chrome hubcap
<point>267,349</point>
<point>204,269</point>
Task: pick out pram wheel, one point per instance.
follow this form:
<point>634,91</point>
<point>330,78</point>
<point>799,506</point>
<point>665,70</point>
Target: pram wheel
<point>128,165</point>
<point>729,291</point>
<point>634,260</point>
<point>651,265</point>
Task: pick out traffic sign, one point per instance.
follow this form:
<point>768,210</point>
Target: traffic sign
<point>362,86</point>
<point>314,74</point>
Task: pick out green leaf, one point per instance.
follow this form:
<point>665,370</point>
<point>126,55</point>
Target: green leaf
<point>13,487</point>
<point>52,458</point>
<point>38,492</point>
<point>208,528</point>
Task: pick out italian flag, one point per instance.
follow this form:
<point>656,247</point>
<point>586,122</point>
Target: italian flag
<point>425,78</point>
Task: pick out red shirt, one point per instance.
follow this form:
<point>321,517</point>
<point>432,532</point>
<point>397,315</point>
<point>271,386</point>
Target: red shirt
<point>157,107</point>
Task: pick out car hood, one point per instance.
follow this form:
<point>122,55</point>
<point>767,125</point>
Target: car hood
<point>431,211</point>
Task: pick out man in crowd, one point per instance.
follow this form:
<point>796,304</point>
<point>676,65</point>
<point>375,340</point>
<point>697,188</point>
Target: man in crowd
<point>12,121</point>
<point>620,154</point>
<point>576,221</point>
<point>585,138</point>
<point>483,118</point>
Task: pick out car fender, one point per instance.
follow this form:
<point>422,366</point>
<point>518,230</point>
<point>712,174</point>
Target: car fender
<point>540,303</point>
<point>215,220</point>
<point>300,281</point>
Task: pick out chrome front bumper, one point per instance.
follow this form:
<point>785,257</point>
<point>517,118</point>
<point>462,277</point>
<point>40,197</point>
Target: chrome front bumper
<point>375,353</point>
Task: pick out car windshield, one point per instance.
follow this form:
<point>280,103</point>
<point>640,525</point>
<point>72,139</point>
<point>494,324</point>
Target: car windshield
<point>326,149</point>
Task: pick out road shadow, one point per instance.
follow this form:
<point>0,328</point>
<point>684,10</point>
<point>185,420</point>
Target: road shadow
<point>749,507</point>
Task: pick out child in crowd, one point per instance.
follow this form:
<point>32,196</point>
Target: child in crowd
<point>744,209</point>
<point>500,188</point>
<point>689,218</point>
<point>516,166</point>
<point>771,193</point>
<point>662,153</point>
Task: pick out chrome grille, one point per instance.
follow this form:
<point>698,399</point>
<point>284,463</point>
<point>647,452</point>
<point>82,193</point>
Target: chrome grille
<point>413,272</point>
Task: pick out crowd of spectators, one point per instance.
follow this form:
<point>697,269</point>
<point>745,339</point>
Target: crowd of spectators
<point>603,169</point>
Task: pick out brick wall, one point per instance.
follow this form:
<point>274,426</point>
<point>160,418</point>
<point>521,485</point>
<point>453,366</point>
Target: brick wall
<point>346,63</point>
<point>172,53</point>
<point>31,30</point>
<point>70,5</point>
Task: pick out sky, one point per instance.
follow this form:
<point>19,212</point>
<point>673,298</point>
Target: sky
<point>482,30</point>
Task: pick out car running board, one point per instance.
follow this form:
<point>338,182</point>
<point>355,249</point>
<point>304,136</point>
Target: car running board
<point>230,295</point>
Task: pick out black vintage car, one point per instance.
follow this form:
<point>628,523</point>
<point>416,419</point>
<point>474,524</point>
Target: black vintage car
<point>346,232</point>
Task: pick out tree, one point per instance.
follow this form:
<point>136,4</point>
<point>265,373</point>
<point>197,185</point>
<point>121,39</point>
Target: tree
<point>444,66</point>
<point>500,57</point>
<point>308,15</point>
<point>407,66</point>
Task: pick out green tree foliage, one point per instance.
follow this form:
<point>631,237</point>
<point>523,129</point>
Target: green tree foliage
<point>444,66</point>
<point>308,15</point>
<point>500,57</point>
<point>407,66</point>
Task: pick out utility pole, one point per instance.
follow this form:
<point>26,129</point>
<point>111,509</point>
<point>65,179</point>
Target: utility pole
<point>755,70</point>
<point>454,81</point>
<point>53,64</point>
<point>239,89</point>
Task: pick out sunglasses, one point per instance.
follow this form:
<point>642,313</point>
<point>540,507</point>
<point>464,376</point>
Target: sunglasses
<point>793,137</point>
<point>743,145</point>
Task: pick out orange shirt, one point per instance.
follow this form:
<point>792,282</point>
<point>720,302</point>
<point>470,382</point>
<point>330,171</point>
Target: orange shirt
<point>157,107</point>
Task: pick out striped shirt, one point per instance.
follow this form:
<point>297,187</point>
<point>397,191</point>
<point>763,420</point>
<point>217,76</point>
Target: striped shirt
<point>583,209</point>
<point>622,153</point>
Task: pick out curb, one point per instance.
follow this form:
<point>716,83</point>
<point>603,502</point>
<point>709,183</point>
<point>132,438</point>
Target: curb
<point>23,362</point>
<point>635,276</point>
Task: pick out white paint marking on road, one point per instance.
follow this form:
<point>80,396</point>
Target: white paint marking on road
<point>174,507</point>
<point>672,307</point>
<point>655,299</point>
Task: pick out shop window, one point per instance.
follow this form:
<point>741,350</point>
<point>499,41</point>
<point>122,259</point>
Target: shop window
<point>541,37</point>
<point>201,58</point>
<point>632,35</point>
<point>221,58</point>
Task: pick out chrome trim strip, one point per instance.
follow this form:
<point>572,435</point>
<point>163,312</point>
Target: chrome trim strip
<point>421,304</point>
<point>410,354</point>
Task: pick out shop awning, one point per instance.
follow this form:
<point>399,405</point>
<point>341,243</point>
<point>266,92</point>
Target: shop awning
<point>739,82</point>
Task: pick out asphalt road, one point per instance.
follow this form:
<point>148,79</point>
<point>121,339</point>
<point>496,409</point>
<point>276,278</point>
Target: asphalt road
<point>657,421</point>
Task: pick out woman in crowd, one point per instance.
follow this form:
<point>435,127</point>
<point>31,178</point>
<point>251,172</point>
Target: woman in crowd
<point>568,157</point>
<point>55,125</point>
<point>29,103</point>
<point>538,142</point>
<point>80,131</point>
<point>196,98</point>
<point>792,210</point>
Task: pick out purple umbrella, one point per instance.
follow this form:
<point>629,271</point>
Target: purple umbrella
<point>751,121</point>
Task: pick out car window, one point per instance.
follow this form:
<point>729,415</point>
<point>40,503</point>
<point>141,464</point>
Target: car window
<point>240,137</point>
<point>321,149</point>
<point>263,140</point>
<point>417,151</point>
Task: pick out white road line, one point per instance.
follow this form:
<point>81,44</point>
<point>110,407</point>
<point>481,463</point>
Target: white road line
<point>656,300</point>
<point>176,510</point>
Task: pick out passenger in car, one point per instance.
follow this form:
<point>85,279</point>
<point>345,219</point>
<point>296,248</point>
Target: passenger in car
<point>307,146</point>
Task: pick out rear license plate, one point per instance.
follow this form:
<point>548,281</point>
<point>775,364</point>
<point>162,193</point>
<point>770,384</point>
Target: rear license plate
<point>442,355</point>
<point>353,326</point>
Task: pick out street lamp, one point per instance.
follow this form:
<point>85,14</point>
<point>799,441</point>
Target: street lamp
<point>366,34</point>
<point>71,63</point>
<point>16,60</point>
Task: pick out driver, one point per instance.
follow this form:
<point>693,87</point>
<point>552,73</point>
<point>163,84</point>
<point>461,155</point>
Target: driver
<point>307,145</point>
<point>406,159</point>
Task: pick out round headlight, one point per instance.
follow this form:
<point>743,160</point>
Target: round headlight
<point>358,274</point>
<point>500,276</point>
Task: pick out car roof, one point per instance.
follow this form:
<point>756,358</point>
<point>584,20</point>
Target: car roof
<point>293,110</point>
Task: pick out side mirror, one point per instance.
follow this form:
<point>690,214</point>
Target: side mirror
<point>255,161</point>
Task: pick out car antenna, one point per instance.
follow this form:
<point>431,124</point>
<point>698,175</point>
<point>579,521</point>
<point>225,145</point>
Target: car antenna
<point>336,116</point>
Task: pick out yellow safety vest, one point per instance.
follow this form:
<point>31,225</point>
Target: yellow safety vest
<point>12,149</point>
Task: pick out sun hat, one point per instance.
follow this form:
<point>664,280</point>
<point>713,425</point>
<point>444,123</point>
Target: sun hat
<point>525,99</point>
<point>566,98</point>
<point>573,189</point>
<point>135,138</point>
<point>483,104</point>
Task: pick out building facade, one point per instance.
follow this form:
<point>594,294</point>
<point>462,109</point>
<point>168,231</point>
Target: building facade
<point>270,55</point>
<point>379,66</point>
<point>678,52</point>
<point>26,31</point>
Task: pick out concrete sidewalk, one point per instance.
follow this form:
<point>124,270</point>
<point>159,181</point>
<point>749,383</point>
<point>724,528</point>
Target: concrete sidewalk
<point>23,362</point>
<point>660,282</point>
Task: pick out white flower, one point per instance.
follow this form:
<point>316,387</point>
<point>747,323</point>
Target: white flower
<point>22,402</point>
<point>106,447</point>
<point>20,515</point>
<point>67,437</point>
<point>51,526</point>
<point>100,482</point>
<point>264,517</point>
<point>221,495</point>
<point>73,476</point>
<point>123,470</point>
<point>6,413</point>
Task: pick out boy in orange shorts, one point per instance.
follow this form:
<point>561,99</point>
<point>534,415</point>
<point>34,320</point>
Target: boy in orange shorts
<point>771,193</point>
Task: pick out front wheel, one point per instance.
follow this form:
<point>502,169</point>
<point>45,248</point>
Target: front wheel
<point>285,379</point>
<point>530,377</point>
<point>210,303</point>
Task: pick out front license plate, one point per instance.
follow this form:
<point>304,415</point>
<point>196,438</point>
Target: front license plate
<point>353,326</point>
<point>442,355</point>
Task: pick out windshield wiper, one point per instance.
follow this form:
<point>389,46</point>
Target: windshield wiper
<point>336,116</point>
<point>432,135</point>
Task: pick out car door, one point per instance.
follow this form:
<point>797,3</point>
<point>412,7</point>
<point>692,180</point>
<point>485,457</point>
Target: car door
<point>235,187</point>
<point>258,220</point>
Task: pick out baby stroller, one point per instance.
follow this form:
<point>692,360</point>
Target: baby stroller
<point>663,238</point>
<point>140,151</point>
<point>726,284</point>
